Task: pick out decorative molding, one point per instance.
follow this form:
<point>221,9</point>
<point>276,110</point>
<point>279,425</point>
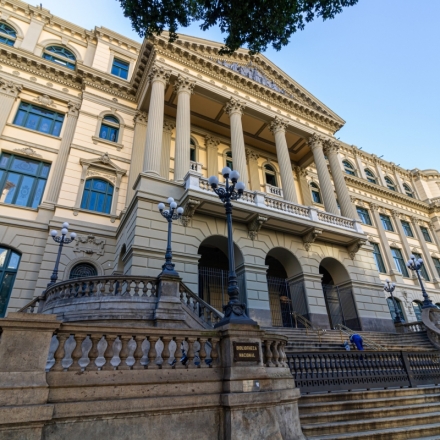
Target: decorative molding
<point>255,225</point>
<point>211,142</point>
<point>10,88</point>
<point>184,84</point>
<point>140,118</point>
<point>158,73</point>
<point>89,244</point>
<point>315,141</point>
<point>309,237</point>
<point>278,124</point>
<point>28,151</point>
<point>73,108</point>
<point>45,100</point>
<point>354,247</point>
<point>234,105</point>
<point>251,154</point>
<point>331,146</point>
<point>168,126</point>
<point>189,211</point>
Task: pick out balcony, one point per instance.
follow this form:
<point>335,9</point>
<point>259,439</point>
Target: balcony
<point>274,190</point>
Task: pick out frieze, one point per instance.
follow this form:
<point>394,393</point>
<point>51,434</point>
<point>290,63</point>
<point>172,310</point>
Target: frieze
<point>89,244</point>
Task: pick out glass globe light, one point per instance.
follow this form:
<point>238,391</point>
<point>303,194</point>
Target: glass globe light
<point>240,186</point>
<point>161,206</point>
<point>173,205</point>
<point>170,200</point>
<point>53,233</point>
<point>180,210</point>
<point>73,235</point>
<point>226,171</point>
<point>213,181</point>
<point>235,175</point>
<point>64,231</point>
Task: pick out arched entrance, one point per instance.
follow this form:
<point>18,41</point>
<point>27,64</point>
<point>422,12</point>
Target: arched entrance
<point>286,288</point>
<point>338,294</point>
<point>214,269</point>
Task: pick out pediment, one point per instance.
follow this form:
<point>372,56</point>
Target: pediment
<point>103,162</point>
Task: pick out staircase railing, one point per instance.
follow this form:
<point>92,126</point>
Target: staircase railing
<point>309,327</point>
<point>411,327</point>
<point>431,320</point>
<point>367,342</point>
<point>32,306</point>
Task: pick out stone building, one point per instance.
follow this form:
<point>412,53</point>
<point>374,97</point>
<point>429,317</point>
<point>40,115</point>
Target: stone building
<point>97,129</point>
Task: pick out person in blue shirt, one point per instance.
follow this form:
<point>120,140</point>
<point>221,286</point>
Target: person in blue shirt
<point>357,340</point>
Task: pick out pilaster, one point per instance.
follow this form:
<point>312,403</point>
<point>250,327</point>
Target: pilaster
<point>304,186</point>
<point>254,175</point>
<point>168,127</point>
<point>211,145</point>
<point>9,92</point>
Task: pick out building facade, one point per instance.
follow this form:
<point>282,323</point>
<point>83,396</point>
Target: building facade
<point>97,129</point>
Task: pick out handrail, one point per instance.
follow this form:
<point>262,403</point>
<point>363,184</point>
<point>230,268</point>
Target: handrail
<point>30,306</point>
<point>308,325</point>
<point>411,327</point>
<point>432,325</point>
<point>368,342</point>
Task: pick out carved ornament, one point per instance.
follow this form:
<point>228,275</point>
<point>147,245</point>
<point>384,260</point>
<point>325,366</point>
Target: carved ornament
<point>184,84</point>
<point>45,100</point>
<point>73,108</point>
<point>374,207</point>
<point>354,247</point>
<point>234,106</point>
<point>315,141</point>
<point>310,237</point>
<point>251,154</point>
<point>140,118</point>
<point>188,213</point>
<point>28,151</point>
<point>278,124</point>
<point>89,244</point>
<point>302,172</point>
<point>159,74</point>
<point>94,173</point>
<point>396,214</point>
<point>211,142</point>
<point>255,225</point>
<point>331,147</point>
<point>168,126</point>
<point>10,88</point>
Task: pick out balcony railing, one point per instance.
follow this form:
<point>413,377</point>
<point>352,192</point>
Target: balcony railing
<point>274,190</point>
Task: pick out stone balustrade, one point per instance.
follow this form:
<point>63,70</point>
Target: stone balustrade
<point>274,190</point>
<point>336,220</point>
<point>273,350</point>
<point>196,166</point>
<point>287,207</point>
<point>411,327</point>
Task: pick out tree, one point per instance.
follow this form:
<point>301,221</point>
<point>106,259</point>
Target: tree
<point>251,23</point>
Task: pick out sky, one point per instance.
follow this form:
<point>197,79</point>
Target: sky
<point>376,65</point>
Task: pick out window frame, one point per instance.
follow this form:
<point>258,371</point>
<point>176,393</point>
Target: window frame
<point>315,190</point>
<point>417,312</point>
<point>270,172</point>
<point>97,139</point>
<point>60,59</point>
<point>386,222</point>
<point>229,160</point>
<point>407,230</point>
<point>7,37</point>
<point>408,190</point>
<point>90,191</point>
<point>3,272</point>
<point>436,262</point>
<point>120,60</point>
<point>423,271</point>
<point>425,233</point>
<point>111,125</point>
<point>370,176</point>
<point>399,307</point>
<point>390,184</point>
<point>350,169</point>
<point>377,255</point>
<point>365,213</point>
<point>399,261</point>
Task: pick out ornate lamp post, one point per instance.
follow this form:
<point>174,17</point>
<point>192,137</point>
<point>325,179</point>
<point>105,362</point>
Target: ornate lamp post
<point>416,265</point>
<point>235,311</point>
<point>170,215</point>
<point>61,240</point>
<point>390,287</point>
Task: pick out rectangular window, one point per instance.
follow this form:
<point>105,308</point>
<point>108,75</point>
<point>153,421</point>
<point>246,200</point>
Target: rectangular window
<point>386,222</point>
<point>22,180</point>
<point>400,262</point>
<point>423,271</point>
<point>407,229</point>
<point>39,119</point>
<point>364,215</point>
<point>425,234</point>
<point>378,258</point>
<point>437,264</point>
<point>120,68</point>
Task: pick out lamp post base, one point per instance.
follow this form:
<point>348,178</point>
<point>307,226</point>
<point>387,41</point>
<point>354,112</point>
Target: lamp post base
<point>235,313</point>
<point>427,303</point>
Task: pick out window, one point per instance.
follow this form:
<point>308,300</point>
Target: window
<point>364,215</point>
<point>407,229</point>
<point>229,162</point>
<point>192,151</point>
<point>408,191</point>
<point>400,263</point>
<point>270,177</point>
<point>390,184</point>
<point>109,128</point>
<point>437,264</point>
<point>378,258</point>
<point>316,194</point>
<point>417,306</point>
<point>386,222</point>
<point>370,176</point>
<point>393,310</point>
<point>9,261</point>
<point>60,55</point>
<point>348,168</point>
<point>83,270</point>
<point>120,68</point>
<point>97,196</point>
<point>425,234</point>
<point>22,180</point>
<point>7,34</point>
<point>423,271</point>
<point>39,119</point>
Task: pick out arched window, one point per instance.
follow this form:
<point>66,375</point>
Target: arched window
<point>60,55</point>
<point>229,162</point>
<point>348,168</point>
<point>408,191</point>
<point>316,194</point>
<point>82,270</point>
<point>192,151</point>
<point>390,184</point>
<point>7,34</point>
<point>9,261</point>
<point>270,176</point>
<point>109,128</point>
<point>97,196</point>
<point>393,308</point>
<point>417,306</point>
<point>370,176</point>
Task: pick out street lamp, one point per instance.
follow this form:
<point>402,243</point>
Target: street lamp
<point>170,215</point>
<point>416,265</point>
<point>235,311</point>
<point>389,287</point>
<point>61,240</point>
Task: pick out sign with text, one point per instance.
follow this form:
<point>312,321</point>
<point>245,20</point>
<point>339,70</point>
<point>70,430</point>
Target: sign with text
<point>246,351</point>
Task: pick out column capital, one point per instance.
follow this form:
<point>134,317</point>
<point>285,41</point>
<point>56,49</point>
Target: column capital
<point>331,146</point>
<point>251,154</point>
<point>278,124</point>
<point>234,105</point>
<point>315,141</point>
<point>374,207</point>
<point>184,84</point>
<point>395,214</point>
<point>158,73</point>
<point>168,126</point>
<point>140,118</point>
<point>300,171</point>
<point>10,88</point>
<point>73,108</point>
<point>211,142</point>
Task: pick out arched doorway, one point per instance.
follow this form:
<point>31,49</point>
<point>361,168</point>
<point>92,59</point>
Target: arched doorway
<point>338,294</point>
<point>286,288</point>
<point>393,310</point>
<point>214,271</point>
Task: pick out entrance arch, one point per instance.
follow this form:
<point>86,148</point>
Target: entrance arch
<point>338,294</point>
<point>286,289</point>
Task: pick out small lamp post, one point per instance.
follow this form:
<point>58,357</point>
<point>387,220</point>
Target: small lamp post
<point>390,287</point>
<point>61,240</point>
<point>415,265</point>
<point>235,311</point>
<point>171,214</point>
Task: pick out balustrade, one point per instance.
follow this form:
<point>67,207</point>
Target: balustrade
<point>273,351</point>
<point>335,220</point>
<point>270,189</point>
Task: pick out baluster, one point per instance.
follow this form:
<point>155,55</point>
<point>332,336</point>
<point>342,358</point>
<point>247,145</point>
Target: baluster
<point>178,353</point>
<point>77,353</point>
<point>111,287</point>
<point>268,354</point>
<point>338,369</point>
<point>93,353</point>
<point>202,353</point>
<point>123,354</point>
<point>94,288</point>
<point>136,288</point>
<point>166,352</point>
<point>328,366</point>
<point>109,353</point>
<point>333,366</point>
<point>190,354</point>
<point>138,353</point>
<point>59,353</point>
<point>283,354</point>
<point>275,353</point>
<point>214,352</point>
<point>302,368</point>
<point>152,353</point>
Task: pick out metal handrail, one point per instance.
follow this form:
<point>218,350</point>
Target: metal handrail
<point>30,306</point>
<point>368,342</point>
<point>308,325</point>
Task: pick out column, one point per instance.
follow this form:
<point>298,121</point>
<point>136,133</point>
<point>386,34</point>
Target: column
<point>137,152</point>
<point>8,94</point>
<point>379,171</point>
<point>168,127</point>
<point>278,128</point>
<point>304,185</point>
<point>399,180</point>
<point>211,145</point>
<point>184,88</point>
<point>315,143</point>
<point>254,175</point>
<point>403,239</point>
<point>359,165</point>
<point>331,150</point>
<point>59,167</point>
<point>234,108</point>
<point>159,79</point>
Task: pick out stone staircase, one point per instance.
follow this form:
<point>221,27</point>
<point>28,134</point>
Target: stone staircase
<point>393,414</point>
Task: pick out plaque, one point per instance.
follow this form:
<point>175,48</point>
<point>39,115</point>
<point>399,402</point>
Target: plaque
<point>246,351</point>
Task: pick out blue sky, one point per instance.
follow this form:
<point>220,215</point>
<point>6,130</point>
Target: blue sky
<point>377,65</point>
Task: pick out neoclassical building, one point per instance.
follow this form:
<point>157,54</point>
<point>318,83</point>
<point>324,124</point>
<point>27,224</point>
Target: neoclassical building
<point>97,129</point>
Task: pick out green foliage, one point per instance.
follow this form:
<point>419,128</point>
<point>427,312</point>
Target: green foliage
<point>247,23</point>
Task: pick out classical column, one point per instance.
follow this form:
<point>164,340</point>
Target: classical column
<point>403,239</point>
<point>159,79</point>
<point>304,186</point>
<point>316,145</point>
<point>184,88</point>
<point>59,167</point>
<point>137,152</point>
<point>168,127</point>
<point>278,128</point>
<point>379,172</point>
<point>358,157</point>
<point>211,145</point>
<point>9,92</point>
<point>398,178</point>
<point>254,175</point>
<point>234,108</point>
<point>331,150</point>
